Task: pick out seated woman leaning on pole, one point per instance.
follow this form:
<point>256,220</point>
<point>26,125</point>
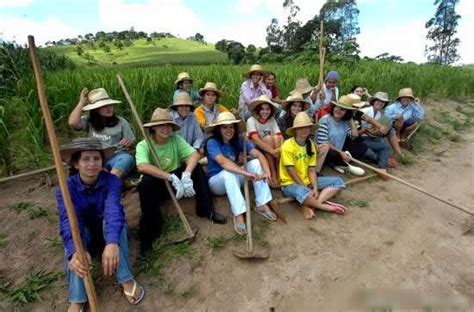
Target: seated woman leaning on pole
<point>172,150</point>
<point>226,176</point>
<point>207,112</point>
<point>298,171</point>
<point>96,197</point>
<point>111,130</point>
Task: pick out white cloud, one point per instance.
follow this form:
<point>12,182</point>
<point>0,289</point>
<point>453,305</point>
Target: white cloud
<point>247,6</point>
<point>14,3</point>
<point>466,26</point>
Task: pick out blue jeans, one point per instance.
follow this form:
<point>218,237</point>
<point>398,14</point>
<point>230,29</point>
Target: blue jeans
<point>377,151</point>
<point>122,161</point>
<point>76,288</point>
<point>300,192</point>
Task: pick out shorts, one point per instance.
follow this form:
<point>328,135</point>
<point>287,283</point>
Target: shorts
<point>300,192</point>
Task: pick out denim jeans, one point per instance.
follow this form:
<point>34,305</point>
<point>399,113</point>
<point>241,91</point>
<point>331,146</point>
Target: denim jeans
<point>377,151</point>
<point>300,192</point>
<point>122,161</point>
<point>76,288</point>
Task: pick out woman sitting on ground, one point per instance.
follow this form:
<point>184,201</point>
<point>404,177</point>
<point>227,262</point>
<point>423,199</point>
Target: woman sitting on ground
<point>226,176</point>
<point>252,88</point>
<point>362,92</point>
<point>207,112</point>
<point>329,92</point>
<point>176,159</point>
<point>184,83</point>
<point>182,111</point>
<point>303,87</point>
<point>270,83</point>
<point>298,171</point>
<point>263,130</point>
<point>96,198</point>
<point>111,130</point>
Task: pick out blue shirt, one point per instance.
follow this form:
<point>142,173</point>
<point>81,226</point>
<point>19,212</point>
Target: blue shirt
<point>190,129</point>
<point>412,110</point>
<point>333,132</point>
<point>99,203</point>
<point>193,94</point>
<point>215,148</point>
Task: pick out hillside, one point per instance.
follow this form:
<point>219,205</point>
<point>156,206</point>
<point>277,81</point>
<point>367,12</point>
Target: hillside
<point>157,52</point>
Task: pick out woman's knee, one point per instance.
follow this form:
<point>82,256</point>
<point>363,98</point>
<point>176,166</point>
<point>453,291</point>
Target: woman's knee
<point>254,166</point>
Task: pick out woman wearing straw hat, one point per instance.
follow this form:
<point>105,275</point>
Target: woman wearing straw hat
<point>172,150</point>
<point>298,171</point>
<point>226,176</point>
<point>252,88</point>
<point>96,196</point>
<point>111,130</point>
<point>182,111</point>
<point>207,112</point>
<point>308,93</point>
<point>406,112</point>
<point>263,130</point>
<point>184,83</point>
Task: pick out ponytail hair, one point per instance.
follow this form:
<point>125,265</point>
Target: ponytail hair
<point>309,144</point>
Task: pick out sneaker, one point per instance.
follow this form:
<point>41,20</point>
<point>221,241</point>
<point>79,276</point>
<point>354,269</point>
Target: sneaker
<point>218,218</point>
<point>358,171</point>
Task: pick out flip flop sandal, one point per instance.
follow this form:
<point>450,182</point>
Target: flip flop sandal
<point>132,293</point>
<point>240,228</point>
<point>268,214</point>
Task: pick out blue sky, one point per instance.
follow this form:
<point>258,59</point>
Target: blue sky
<point>393,26</point>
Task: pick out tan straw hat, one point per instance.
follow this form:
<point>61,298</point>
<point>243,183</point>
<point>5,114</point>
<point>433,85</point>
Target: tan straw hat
<point>162,116</point>
<point>98,98</point>
<point>349,101</point>
<point>301,120</point>
<point>406,92</point>
<point>302,86</point>
<point>262,99</point>
<point>182,77</point>
<point>84,144</point>
<point>255,68</point>
<point>182,98</point>
<point>225,118</point>
<point>295,97</point>
<point>381,96</point>
<point>210,86</point>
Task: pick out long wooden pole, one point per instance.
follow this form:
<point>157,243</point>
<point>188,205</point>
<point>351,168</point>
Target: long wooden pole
<point>185,222</point>
<point>76,237</point>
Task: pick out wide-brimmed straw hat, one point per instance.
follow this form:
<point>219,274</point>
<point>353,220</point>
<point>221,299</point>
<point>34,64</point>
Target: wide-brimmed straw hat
<point>84,144</point>
<point>301,120</point>
<point>381,96</point>
<point>295,97</point>
<point>162,116</point>
<point>225,118</point>
<point>255,68</point>
<point>210,86</point>
<point>182,77</point>
<point>349,101</point>
<point>302,86</point>
<point>262,99</point>
<point>97,98</point>
<point>182,99</point>
<point>406,92</point>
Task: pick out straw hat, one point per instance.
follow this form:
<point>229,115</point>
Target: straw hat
<point>381,96</point>
<point>262,99</point>
<point>84,144</point>
<point>255,68</point>
<point>182,99</point>
<point>349,101</point>
<point>225,118</point>
<point>301,120</point>
<point>162,116</point>
<point>302,86</point>
<point>406,92</point>
<point>295,97</point>
<point>210,86</point>
<point>98,98</point>
<point>182,77</point>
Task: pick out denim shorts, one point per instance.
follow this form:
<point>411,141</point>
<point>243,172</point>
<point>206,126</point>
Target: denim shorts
<point>409,122</point>
<point>122,161</point>
<point>300,192</point>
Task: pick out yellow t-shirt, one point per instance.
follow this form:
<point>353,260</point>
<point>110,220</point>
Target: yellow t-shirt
<point>293,154</point>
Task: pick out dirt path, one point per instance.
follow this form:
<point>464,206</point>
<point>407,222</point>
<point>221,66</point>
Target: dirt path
<point>392,237</point>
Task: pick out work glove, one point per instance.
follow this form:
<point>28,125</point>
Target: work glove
<point>187,184</point>
<point>178,185</point>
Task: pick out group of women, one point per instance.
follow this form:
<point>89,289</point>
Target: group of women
<point>286,142</point>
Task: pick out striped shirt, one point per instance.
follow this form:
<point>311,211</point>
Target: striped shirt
<point>190,129</point>
<point>333,132</point>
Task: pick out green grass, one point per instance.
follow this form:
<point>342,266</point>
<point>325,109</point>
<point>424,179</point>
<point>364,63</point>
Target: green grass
<point>34,211</point>
<point>3,240</point>
<point>30,290</point>
<point>217,242</point>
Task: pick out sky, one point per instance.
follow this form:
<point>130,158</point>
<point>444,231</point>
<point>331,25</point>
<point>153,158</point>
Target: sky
<point>393,26</point>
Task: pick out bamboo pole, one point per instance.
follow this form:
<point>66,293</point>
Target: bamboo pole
<point>322,55</point>
<point>76,237</point>
<point>27,174</point>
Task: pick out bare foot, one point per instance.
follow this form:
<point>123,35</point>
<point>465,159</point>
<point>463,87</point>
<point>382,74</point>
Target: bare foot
<point>308,213</point>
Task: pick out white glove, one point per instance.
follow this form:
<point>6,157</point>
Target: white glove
<point>187,184</point>
<point>178,185</point>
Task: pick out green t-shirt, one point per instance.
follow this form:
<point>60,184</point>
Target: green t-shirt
<point>170,155</point>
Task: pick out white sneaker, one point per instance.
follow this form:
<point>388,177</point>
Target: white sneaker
<point>358,171</point>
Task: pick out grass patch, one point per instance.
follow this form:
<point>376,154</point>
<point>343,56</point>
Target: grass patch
<point>33,211</point>
<point>30,290</point>
<point>216,242</point>
<point>3,240</point>
<point>260,232</point>
<point>54,243</point>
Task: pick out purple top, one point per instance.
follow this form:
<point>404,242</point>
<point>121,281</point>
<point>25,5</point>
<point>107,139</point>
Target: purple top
<point>248,93</point>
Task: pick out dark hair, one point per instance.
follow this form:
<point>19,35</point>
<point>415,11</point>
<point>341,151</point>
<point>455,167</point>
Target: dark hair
<point>259,108</point>
<point>179,85</point>
<point>309,150</point>
<point>99,122</point>
<point>271,74</point>
<point>347,115</point>
<point>355,87</point>
<point>75,158</point>
<point>216,134</point>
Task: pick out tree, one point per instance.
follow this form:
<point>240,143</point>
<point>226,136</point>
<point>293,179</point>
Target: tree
<point>236,52</point>
<point>221,45</point>
<point>442,31</point>
<point>387,57</point>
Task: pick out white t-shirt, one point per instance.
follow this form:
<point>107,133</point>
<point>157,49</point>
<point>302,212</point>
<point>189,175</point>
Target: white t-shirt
<point>270,127</point>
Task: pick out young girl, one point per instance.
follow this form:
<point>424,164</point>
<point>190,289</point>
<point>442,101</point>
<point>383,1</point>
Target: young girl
<point>298,171</point>
<point>182,114</point>
<point>263,130</point>
<point>226,176</point>
<point>294,104</point>
<point>96,197</point>
<point>184,83</point>
<point>252,88</point>
<point>207,112</point>
<point>111,130</point>
<point>270,83</point>
<point>361,92</point>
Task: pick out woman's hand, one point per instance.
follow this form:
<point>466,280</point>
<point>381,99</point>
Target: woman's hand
<point>314,193</point>
<point>83,96</point>
<point>128,144</point>
<point>383,130</point>
<point>76,266</point>
<point>110,259</point>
